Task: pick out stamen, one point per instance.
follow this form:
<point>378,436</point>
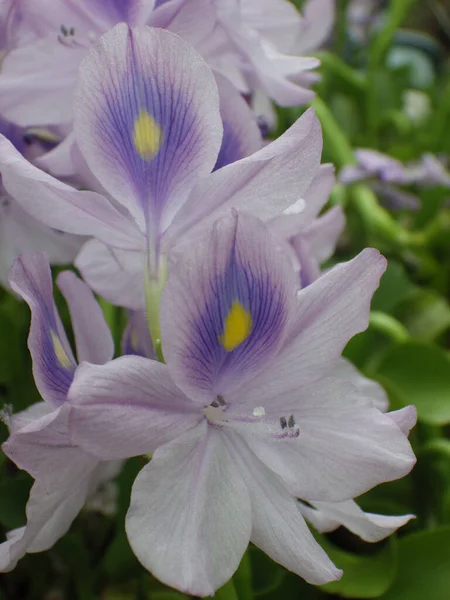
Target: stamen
<point>220,400</point>
<point>283,422</point>
<point>291,422</point>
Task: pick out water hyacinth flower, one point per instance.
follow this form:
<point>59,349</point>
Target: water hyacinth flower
<point>19,231</point>
<point>385,174</point>
<point>66,477</point>
<point>148,123</point>
<point>245,416</point>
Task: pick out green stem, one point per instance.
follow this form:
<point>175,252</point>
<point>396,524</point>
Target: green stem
<point>389,326</point>
<point>398,11</point>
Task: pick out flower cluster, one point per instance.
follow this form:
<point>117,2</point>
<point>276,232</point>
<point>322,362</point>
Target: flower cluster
<point>132,147</point>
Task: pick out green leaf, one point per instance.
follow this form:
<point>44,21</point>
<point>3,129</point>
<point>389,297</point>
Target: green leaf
<point>427,316</point>
<point>423,567</point>
<point>420,374</point>
<point>364,576</point>
<point>395,287</point>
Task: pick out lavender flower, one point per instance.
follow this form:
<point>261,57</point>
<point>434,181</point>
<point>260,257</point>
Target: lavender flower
<point>39,441</point>
<point>149,126</point>
<point>20,232</point>
<point>385,174</point>
<point>246,414</point>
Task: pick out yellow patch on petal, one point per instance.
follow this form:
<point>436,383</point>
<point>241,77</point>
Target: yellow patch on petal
<point>147,136</point>
<point>61,355</point>
<point>238,325</point>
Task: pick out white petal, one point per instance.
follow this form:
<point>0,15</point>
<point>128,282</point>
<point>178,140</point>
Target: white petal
<point>189,521</point>
<point>278,527</point>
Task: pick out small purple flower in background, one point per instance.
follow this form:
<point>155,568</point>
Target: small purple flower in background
<point>148,123</point>
<point>20,232</point>
<point>246,415</point>
<point>66,477</point>
<point>385,174</point>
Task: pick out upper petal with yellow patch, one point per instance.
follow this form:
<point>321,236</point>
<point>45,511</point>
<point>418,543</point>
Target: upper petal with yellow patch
<point>226,307</point>
<point>147,121</point>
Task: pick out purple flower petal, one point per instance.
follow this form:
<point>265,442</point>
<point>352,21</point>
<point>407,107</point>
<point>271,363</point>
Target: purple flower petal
<point>278,527</point>
<point>264,183</point>
<point>189,520</point>
<point>93,338</point>
<point>345,446</point>
<point>147,120</point>
<point>136,337</point>
<point>53,361</point>
<point>117,276</point>
<point>128,407</point>
<point>327,516</point>
<point>241,133</point>
<point>226,307</point>
<point>63,207</point>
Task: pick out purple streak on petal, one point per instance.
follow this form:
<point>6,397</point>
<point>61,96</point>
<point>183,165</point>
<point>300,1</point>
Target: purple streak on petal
<point>241,133</point>
<point>136,337</point>
<point>53,361</point>
<point>152,74</point>
<point>237,265</point>
<point>93,338</point>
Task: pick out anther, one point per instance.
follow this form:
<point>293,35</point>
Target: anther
<point>64,30</point>
<point>291,422</point>
<point>283,422</point>
<point>220,400</point>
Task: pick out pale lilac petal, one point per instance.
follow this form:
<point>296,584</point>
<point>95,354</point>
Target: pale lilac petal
<point>264,183</point>
<point>319,18</point>
<point>405,418</point>
<point>370,389</point>
<point>136,337</point>
<point>93,338</point>
<point>128,407</point>
<point>20,233</point>
<point>368,526</point>
<point>192,21</point>
<point>278,21</point>
<point>37,82</point>
<point>147,120</point>
<point>322,235</point>
<point>62,207</point>
<point>345,446</point>
<point>53,361</point>
<point>330,312</point>
<point>16,421</point>
<point>278,527</point>
<point>226,307</point>
<point>189,521</point>
<point>241,134</point>
<point>315,197</point>
<point>43,448</point>
<point>309,267</point>
<point>49,516</point>
<point>117,276</point>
